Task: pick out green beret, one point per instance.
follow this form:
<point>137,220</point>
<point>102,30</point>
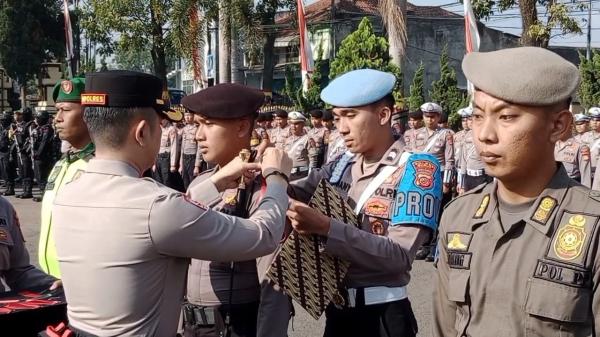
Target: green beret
<point>526,75</point>
<point>69,90</point>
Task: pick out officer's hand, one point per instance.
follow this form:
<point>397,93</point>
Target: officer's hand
<point>196,171</point>
<point>276,160</point>
<point>57,284</point>
<point>180,169</point>
<point>446,188</point>
<point>307,220</point>
<point>228,176</point>
<point>153,168</point>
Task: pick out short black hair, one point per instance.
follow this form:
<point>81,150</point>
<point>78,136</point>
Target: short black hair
<point>388,101</point>
<point>109,125</point>
<point>280,113</point>
<point>416,114</point>
<point>316,113</point>
<point>328,115</point>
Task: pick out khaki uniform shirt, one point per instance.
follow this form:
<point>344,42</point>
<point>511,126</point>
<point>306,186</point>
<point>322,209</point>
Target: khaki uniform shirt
<point>440,143</point>
<point>336,146</point>
<point>15,268</point>
<point>575,157</point>
<point>209,282</point>
<point>539,278</point>
<point>168,143</point>
<point>381,260</point>
<point>458,141</point>
<point>592,140</point>
<point>317,134</point>
<point>277,136</point>
<point>469,158</point>
<point>124,244</point>
<point>409,139</point>
<point>297,148</point>
<point>189,146</point>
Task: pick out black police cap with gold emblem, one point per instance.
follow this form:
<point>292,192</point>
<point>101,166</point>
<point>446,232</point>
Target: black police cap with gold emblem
<point>127,89</point>
<point>225,101</point>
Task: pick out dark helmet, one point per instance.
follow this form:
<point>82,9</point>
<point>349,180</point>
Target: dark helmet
<point>27,114</point>
<point>42,116</point>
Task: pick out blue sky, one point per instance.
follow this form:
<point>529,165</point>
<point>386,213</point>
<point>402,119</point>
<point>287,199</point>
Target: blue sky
<point>510,22</point>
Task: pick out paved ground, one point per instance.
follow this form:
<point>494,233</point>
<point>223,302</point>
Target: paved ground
<point>303,325</point>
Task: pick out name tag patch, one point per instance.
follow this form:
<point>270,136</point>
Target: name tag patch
<point>557,273</point>
<point>457,260</point>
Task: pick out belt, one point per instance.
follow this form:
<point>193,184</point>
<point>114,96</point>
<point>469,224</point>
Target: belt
<point>376,295</point>
<point>189,155</point>
<point>299,169</point>
<point>164,155</point>
<point>475,173</point>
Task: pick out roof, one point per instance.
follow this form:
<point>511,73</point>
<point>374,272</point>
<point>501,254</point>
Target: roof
<point>320,10</point>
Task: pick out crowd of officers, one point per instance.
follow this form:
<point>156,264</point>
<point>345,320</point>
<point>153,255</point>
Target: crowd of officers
<point>29,147</point>
<point>517,253</point>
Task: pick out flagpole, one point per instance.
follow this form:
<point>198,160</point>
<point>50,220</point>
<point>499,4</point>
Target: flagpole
<point>472,39</point>
<point>306,59</point>
<point>69,40</point>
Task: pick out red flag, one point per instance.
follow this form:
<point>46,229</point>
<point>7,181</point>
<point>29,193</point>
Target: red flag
<point>472,39</point>
<point>306,58</point>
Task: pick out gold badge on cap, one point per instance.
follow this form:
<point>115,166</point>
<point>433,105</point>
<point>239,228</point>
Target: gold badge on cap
<point>544,210</point>
<point>482,207</point>
<point>569,241</point>
<point>66,86</point>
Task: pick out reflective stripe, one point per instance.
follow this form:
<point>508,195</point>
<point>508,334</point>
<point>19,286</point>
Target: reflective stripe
<point>378,295</point>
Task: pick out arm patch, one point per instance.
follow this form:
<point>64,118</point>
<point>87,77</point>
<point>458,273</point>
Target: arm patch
<point>419,194</point>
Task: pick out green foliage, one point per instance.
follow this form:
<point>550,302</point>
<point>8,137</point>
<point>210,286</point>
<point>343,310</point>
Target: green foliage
<point>312,98</point>
<point>291,85</point>
<point>137,60</point>
<point>589,90</point>
<point>363,49</point>
<point>31,33</point>
<point>446,93</point>
<point>417,93</point>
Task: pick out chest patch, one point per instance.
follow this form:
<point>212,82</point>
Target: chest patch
<point>571,239</point>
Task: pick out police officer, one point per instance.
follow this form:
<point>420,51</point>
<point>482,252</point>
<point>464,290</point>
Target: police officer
<point>224,292</point>
<point>440,142</point>
<point>335,141</point>
<point>22,144</point>
<point>458,141</point>
<point>7,168</point>
<point>575,158</point>
<point>41,150</point>
<point>471,170</point>
<point>581,125</point>
<point>297,145</point>
<point>281,131</point>
<point>72,129</point>
<point>317,134</point>
<point>190,162</point>
<point>415,122</point>
<point>519,256</point>
<point>592,137</point>
<point>148,231</point>
<point>166,161</point>
<point>375,169</point>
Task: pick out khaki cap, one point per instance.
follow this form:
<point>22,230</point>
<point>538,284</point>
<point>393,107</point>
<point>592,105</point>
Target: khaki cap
<point>527,75</point>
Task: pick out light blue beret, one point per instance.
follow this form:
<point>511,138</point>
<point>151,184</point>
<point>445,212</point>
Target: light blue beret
<point>358,88</point>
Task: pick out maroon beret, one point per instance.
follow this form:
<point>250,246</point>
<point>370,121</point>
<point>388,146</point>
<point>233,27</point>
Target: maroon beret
<point>225,101</point>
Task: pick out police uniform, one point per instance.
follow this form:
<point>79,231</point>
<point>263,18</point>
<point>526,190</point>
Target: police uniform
<point>458,139</point>
<point>575,157</point>
<point>297,147</point>
<point>410,134</point>
<point>42,150</point>
<point>580,119</point>
<point>520,270</point>
<point>317,146</point>
<point>217,290</point>
<point>22,148</point>
<point>592,138</point>
<point>382,250</point>
<point>336,145</point>
<point>278,135</point>
<point>470,168</point>
<point>72,164</point>
<point>167,155</point>
<point>7,162</point>
<point>191,158</point>
<point>148,232</point>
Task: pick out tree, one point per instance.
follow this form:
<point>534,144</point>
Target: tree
<point>393,15</point>
<point>363,49</point>
<point>139,23</point>
<point>589,90</point>
<point>446,93</point>
<point>537,29</point>
<point>137,60</point>
<point>417,93</point>
<point>312,98</point>
<point>31,33</point>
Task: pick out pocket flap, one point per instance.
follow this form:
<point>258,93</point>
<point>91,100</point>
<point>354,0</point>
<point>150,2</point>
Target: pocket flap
<point>557,301</point>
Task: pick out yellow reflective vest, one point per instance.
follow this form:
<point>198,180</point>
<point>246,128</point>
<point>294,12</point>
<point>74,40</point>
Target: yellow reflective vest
<point>64,171</point>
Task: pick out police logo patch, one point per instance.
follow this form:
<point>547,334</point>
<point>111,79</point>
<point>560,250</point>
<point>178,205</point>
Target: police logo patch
<point>482,207</point>
<point>458,241</point>
<point>377,227</point>
<point>66,86</point>
<point>570,239</point>
<point>544,210</point>
<point>424,173</point>
<point>378,207</point>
